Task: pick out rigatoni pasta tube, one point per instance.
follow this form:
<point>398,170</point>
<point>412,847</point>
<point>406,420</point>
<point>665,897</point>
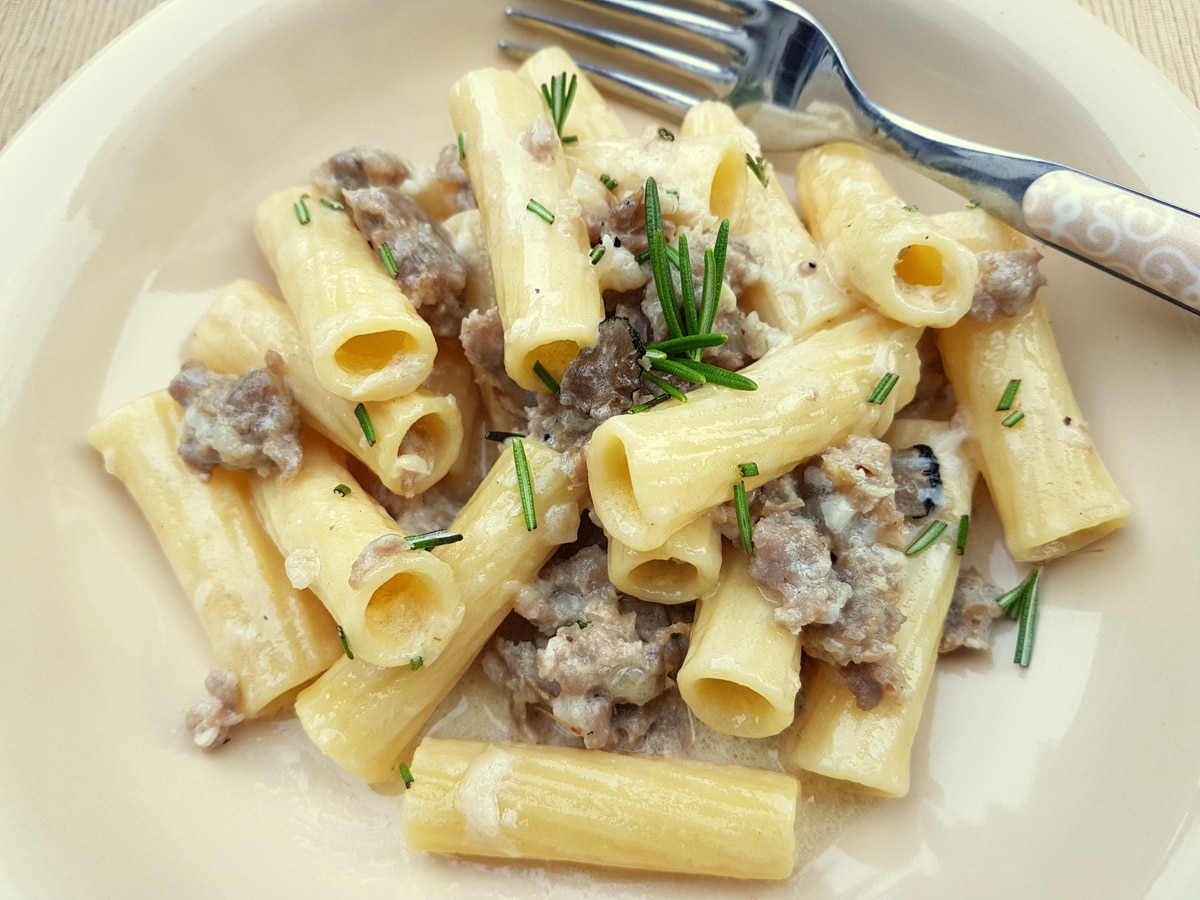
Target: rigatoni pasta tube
<point>366,718</point>
<point>606,809</point>
<point>547,294</point>
<point>904,265</point>
<point>275,637</point>
<point>706,174</point>
<point>366,340</point>
<point>742,669</point>
<point>794,291</point>
<point>590,115</point>
<point>1051,489</point>
<point>685,566</point>
<point>417,436</point>
<point>395,604</point>
<point>833,737</point>
<point>652,473</point>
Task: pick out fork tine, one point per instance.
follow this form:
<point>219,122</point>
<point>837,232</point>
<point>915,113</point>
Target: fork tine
<point>643,92</point>
<point>719,79</point>
<point>714,33</point>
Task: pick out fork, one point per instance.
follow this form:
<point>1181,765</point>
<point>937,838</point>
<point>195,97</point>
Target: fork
<point>786,78</point>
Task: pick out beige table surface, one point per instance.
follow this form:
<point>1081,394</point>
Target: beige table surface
<point>42,42</point>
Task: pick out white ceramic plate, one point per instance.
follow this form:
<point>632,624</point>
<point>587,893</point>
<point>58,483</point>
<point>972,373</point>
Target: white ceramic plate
<point>128,200</point>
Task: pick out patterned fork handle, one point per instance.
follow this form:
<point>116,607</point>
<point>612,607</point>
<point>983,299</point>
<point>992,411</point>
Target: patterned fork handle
<point>1145,241</point>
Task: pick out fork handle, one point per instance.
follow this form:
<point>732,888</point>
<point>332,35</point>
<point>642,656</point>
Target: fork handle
<point>1143,240</point>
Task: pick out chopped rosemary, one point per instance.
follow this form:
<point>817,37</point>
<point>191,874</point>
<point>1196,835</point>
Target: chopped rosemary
<point>342,490</point>
<point>666,134</point>
<point>910,208</point>
<point>540,211</point>
<point>597,254</point>
<point>430,539</point>
<point>301,209</point>
<point>748,469</point>
<point>524,484</point>
<point>406,776</point>
<point>462,145</point>
<point>559,95</point>
<point>759,167</point>
<point>364,422</point>
<point>886,383</point>
<point>1027,623</point>
<point>973,204</point>
<point>582,624</point>
<point>964,527</point>
<point>547,379</point>
<point>1012,418</point>
<point>416,662</point>
<point>741,508</point>
<point>665,386</point>
<point>931,533</point>
<point>501,436</point>
<point>389,261</point>
<point>609,182</point>
<point>1012,601</point>
<point>337,205</point>
<point>1009,395</point>
<point>345,643</point>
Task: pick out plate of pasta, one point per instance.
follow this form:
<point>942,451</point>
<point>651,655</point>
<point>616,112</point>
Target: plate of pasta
<point>522,496</point>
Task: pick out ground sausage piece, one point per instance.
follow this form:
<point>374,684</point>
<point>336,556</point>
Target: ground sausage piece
<point>482,337</point>
<point>869,620</point>
<point>428,269</point>
<point>1008,281</point>
<point>567,591</point>
<point>359,168</point>
<point>209,720</point>
<point>972,611</point>
<point>246,422</point>
<point>791,562</point>
<point>451,174</point>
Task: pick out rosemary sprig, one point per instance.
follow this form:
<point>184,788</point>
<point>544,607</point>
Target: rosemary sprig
<point>660,266</point>
<point>406,775</point>
<point>462,145</point>
<point>524,484</point>
<point>964,527</point>
<point>1012,418</point>
<point>665,386</point>
<point>559,94</point>
<point>687,287</point>
<point>1021,603</point>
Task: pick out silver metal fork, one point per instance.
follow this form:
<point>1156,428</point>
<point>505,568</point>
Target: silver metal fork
<point>788,81</point>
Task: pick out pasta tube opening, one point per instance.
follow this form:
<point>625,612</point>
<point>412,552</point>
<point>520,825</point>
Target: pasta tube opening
<point>680,575</point>
<point>554,357</point>
<point>732,708</point>
<point>920,265</point>
<point>399,606</point>
<point>428,445</point>
<point>364,354</point>
<point>728,183</point>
